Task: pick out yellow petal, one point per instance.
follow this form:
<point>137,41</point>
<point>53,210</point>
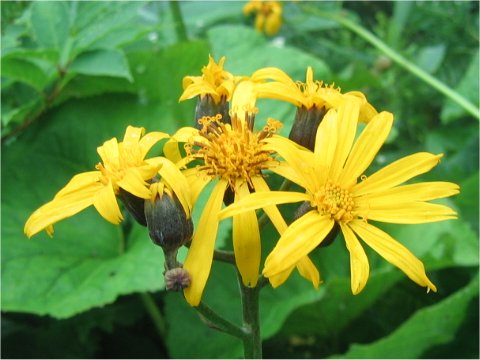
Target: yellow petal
<point>392,251</point>
<point>347,127</point>
<point>397,173</point>
<point>80,182</point>
<point>302,161</point>
<point>109,153</point>
<point>272,211</point>
<point>200,254</point>
<point>246,240</point>
<point>301,237</point>
<point>408,193</point>
<point>366,148</point>
<point>285,170</point>
<point>325,145</point>
<point>133,183</point>
<point>171,147</point>
<point>278,279</point>
<point>279,91</point>
<point>106,204</point>
<point>197,182</point>
<point>132,136</point>
<point>262,200</point>
<point>149,140</point>
<point>359,267</point>
<point>273,73</point>
<point>408,213</point>
<point>178,182</point>
<point>309,271</point>
<point>61,207</point>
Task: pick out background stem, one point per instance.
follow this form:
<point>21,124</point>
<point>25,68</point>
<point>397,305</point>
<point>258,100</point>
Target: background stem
<point>178,19</point>
<point>400,60</point>
<point>155,314</point>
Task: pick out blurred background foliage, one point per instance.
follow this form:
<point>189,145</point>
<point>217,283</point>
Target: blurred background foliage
<point>75,74</point>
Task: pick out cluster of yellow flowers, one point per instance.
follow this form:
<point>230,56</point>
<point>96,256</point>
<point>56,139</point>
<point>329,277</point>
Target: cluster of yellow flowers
<point>324,154</point>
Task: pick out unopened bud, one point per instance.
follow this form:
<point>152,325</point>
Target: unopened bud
<point>304,129</point>
<point>206,106</point>
<point>168,225</point>
<point>177,279</point>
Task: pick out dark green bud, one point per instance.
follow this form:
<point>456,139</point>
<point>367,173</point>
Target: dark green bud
<point>304,129</point>
<point>168,225</point>
<point>206,106</point>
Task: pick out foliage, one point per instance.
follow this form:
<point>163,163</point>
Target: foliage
<point>74,74</point>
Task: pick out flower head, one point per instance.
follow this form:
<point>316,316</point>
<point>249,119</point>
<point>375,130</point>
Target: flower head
<point>214,82</point>
<point>123,167</point>
<point>268,15</point>
<point>339,193</point>
<point>311,94</point>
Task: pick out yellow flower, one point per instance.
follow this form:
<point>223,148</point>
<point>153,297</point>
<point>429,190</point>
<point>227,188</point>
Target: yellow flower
<point>123,166</point>
<point>330,175</point>
<point>233,157</point>
<point>312,94</point>
<point>268,15</point>
<point>215,82</point>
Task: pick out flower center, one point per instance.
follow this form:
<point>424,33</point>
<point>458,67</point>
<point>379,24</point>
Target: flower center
<point>336,201</point>
<point>231,152</point>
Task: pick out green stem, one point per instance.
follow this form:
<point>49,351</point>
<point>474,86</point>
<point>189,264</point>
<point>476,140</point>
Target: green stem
<point>178,20</point>
<point>400,60</point>
<point>215,321</point>
<point>155,314</point>
<point>252,342</point>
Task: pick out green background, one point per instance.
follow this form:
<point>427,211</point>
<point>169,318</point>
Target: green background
<point>75,74</point>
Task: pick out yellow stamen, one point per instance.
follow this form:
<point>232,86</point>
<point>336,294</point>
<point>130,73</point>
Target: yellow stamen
<point>336,201</point>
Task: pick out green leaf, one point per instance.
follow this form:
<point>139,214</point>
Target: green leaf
<point>105,62</point>
<point>468,87</point>
<point>431,326</point>
<point>51,23</point>
<point>24,71</point>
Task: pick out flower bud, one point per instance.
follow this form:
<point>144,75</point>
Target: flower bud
<point>206,106</point>
<point>168,225</point>
<point>134,205</point>
<point>304,129</point>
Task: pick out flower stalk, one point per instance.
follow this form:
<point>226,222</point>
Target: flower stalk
<point>252,341</point>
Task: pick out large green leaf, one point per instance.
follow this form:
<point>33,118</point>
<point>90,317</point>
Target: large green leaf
<point>105,62</point>
<point>431,326</point>
<point>89,262</point>
<point>24,71</point>
<point>51,23</point>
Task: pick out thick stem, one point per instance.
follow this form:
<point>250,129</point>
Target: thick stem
<point>252,342</point>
